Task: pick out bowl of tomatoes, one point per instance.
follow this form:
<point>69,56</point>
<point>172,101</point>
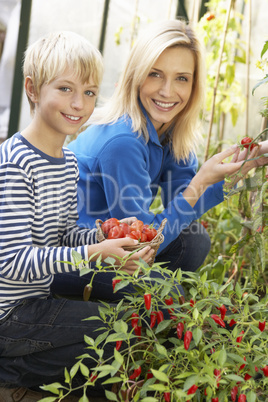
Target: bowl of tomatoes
<point>145,234</point>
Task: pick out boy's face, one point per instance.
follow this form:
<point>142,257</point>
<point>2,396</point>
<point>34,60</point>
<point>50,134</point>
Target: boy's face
<point>65,104</point>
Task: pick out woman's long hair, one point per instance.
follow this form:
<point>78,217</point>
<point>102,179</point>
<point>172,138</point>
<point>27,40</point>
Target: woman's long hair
<point>144,54</point>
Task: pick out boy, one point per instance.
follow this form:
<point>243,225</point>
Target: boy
<point>40,335</point>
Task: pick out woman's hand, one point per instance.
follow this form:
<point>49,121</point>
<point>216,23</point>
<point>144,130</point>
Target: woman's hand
<point>114,248</point>
<point>212,171</point>
<point>260,150</point>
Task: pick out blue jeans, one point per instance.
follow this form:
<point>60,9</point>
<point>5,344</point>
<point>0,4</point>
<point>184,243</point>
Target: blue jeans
<point>42,336</point>
<point>188,251</point>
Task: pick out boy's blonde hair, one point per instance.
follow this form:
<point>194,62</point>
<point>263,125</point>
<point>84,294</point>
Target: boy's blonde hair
<point>143,56</point>
<point>48,58</point>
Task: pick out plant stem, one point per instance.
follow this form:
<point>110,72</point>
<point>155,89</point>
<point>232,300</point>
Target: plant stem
<point>217,78</point>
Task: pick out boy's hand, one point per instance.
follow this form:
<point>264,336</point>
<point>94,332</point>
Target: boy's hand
<point>114,248</point>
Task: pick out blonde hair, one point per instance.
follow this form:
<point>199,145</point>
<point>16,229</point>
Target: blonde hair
<point>144,54</point>
<point>48,58</point>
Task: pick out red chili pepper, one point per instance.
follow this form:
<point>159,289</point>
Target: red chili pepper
<point>114,282</point>
<point>180,328</point>
<point>134,319</point>
<point>217,374</point>
<point>232,322</point>
<point>192,390</point>
<point>137,330</point>
<point>265,370</point>
<point>93,377</point>
<point>247,377</point>
<point>149,375</point>
<point>187,339</point>
<point>205,392</point>
<point>242,365</point>
<point>262,326</point>
<point>169,301</point>
<point>192,303</point>
<point>159,316</point>
<point>167,396</point>
<point>223,311</point>
<point>153,319</point>
<point>118,345</point>
<point>234,392</point>
<point>147,300</point>
<point>135,373</point>
<point>239,338</point>
<point>215,399</point>
<point>218,320</point>
<point>242,398</point>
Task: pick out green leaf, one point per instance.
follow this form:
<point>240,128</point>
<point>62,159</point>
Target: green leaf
<point>110,395</point>
<point>149,399</point>
<point>251,396</point>
<point>195,314</point>
<point>49,399</point>
<point>234,377</point>
<point>76,257</point>
<point>265,48</point>
<point>116,337</point>
<point>74,369</point>
<point>89,341</point>
<point>161,349</point>
<point>84,369</point>
<point>120,326</point>
<point>53,388</point>
<point>161,326</point>
<point>263,81</point>
<point>101,338</point>
<point>222,357</point>
<point>158,387</point>
<point>197,335</point>
<point>112,380</point>
<point>159,375</point>
<point>118,357</point>
<point>110,261</point>
<point>238,290</point>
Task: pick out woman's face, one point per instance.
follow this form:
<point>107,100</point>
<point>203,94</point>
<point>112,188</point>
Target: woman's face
<point>168,87</point>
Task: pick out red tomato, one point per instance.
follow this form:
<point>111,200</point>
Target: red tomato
<point>150,232</point>
<point>109,224</point>
<point>246,141</point>
<point>135,234</point>
<point>132,236</point>
<point>116,232</point>
<point>143,237</point>
<point>137,225</point>
<point>126,228</point>
<point>210,16</point>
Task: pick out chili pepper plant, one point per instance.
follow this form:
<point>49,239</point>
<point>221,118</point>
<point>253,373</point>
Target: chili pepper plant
<point>209,344</point>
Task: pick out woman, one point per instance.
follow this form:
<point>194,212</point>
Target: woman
<point>145,138</point>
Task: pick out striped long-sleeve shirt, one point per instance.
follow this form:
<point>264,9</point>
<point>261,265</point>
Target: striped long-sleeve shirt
<point>38,214</point>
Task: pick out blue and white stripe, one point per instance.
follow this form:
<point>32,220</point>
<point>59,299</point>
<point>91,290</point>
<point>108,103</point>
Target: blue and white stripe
<point>38,214</point>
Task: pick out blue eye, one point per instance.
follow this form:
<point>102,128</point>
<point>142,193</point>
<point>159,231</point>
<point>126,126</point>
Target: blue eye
<point>182,78</point>
<point>90,93</point>
<point>154,74</point>
<point>64,89</point>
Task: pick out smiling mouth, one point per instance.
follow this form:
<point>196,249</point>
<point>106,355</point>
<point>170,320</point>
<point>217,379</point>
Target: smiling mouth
<point>73,118</point>
<point>165,105</point>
